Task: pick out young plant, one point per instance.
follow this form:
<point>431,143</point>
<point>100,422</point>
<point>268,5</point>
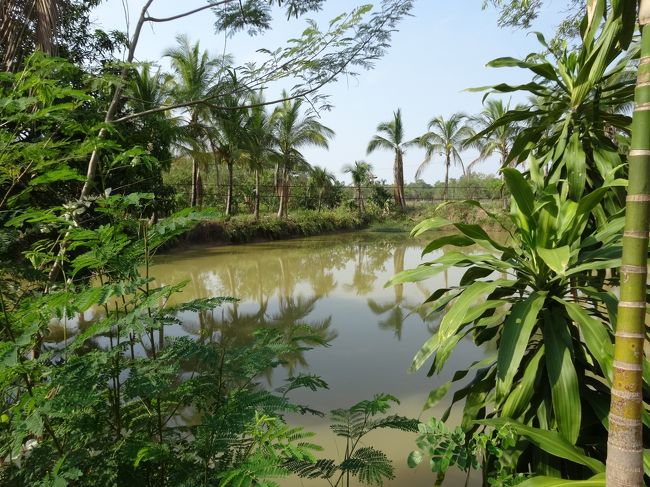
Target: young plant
<point>367,464</point>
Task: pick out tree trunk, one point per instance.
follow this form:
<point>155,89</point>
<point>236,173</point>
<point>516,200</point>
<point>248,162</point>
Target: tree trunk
<point>445,194</point>
<point>282,192</point>
<point>624,445</point>
<point>320,198</point>
<point>257,194</point>
<point>46,26</point>
<point>230,184</point>
<point>194,190</point>
<point>398,176</point>
<point>360,199</point>
<point>199,188</point>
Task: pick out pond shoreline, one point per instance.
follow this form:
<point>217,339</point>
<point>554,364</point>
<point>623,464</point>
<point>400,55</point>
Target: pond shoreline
<point>244,229</point>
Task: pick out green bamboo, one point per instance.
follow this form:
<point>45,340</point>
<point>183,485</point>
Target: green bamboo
<point>624,445</point>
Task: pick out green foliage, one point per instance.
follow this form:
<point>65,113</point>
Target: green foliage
<point>544,298</point>
<point>115,402</point>
<point>367,464</point>
<point>446,448</point>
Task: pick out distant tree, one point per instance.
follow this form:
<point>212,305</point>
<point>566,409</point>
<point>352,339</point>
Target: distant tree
<point>391,137</point>
<point>195,76</point>
<point>500,139</point>
<point>230,139</point>
<point>259,141</point>
<point>322,180</point>
<point>361,173</point>
<point>293,131</point>
<point>55,27</point>
<point>447,138</point>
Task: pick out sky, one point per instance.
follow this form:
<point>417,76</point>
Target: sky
<point>436,54</point>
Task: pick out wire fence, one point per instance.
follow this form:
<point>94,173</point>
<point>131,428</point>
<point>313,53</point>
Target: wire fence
<point>307,193</point>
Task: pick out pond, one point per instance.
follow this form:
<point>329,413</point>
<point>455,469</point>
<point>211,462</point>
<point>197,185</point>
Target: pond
<point>334,283</point>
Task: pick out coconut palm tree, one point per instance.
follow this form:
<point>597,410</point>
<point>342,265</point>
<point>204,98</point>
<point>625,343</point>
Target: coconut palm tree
<point>229,138</point>
<point>322,180</point>
<point>498,141</point>
<point>361,173</point>
<point>20,19</point>
<point>445,137</point>
<point>391,137</point>
<point>259,142</point>
<point>195,76</point>
<point>293,131</point>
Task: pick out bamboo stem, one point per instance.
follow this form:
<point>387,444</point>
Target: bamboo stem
<point>624,445</point>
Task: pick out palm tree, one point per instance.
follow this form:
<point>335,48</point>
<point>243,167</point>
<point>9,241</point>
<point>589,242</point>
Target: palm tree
<point>259,141</point>
<point>391,137</point>
<point>361,173</point>
<point>195,75</point>
<point>229,139</point>
<point>322,180</point>
<point>17,19</point>
<point>446,137</point>
<point>292,132</point>
<point>497,141</point>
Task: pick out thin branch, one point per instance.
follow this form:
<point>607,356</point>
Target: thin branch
<point>185,14</point>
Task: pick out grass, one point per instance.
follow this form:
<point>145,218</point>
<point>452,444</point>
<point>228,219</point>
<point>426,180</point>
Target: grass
<point>303,223</point>
<point>240,229</point>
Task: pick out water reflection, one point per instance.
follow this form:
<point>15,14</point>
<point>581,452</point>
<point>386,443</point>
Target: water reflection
<point>335,284</point>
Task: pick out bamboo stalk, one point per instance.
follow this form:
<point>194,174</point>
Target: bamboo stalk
<point>624,445</point>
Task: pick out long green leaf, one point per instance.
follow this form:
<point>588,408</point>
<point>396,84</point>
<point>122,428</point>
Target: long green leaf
<point>516,335</point>
<point>454,318</point>
<point>565,392</point>
<point>595,481</point>
<point>556,259</point>
<point>521,395</point>
<point>596,337</point>
<point>549,441</point>
<point>420,273</point>
<point>520,191</point>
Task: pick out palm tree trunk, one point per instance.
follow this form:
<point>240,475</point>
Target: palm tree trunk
<point>195,170</point>
<point>199,188</point>
<point>282,186</point>
<point>398,176</point>
<point>447,162</point>
<point>230,184</point>
<point>257,194</point>
<point>624,444</point>
<point>46,15</point>
<point>359,198</point>
<point>320,198</point>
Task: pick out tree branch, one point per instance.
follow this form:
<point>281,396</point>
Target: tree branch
<point>188,13</point>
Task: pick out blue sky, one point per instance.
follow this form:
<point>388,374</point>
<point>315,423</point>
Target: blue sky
<point>436,54</point>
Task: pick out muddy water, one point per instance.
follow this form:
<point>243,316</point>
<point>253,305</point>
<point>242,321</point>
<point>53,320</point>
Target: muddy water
<point>335,284</point>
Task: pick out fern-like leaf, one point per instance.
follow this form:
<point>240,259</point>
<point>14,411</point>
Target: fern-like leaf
<point>370,466</point>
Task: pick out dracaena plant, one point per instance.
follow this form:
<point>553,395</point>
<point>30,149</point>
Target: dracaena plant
<point>577,124</point>
<point>545,298</point>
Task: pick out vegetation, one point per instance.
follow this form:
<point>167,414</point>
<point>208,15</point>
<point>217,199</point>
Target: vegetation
<point>121,400</point>
<point>391,137</point>
<point>545,297</point>
<point>445,137</point>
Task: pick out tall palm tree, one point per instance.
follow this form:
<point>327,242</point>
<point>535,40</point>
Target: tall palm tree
<point>445,137</point>
<point>229,139</point>
<point>322,180</point>
<point>361,173</point>
<point>391,137</point>
<point>195,76</point>
<point>22,18</point>
<point>259,142</point>
<point>497,141</point>
<point>293,131</point>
